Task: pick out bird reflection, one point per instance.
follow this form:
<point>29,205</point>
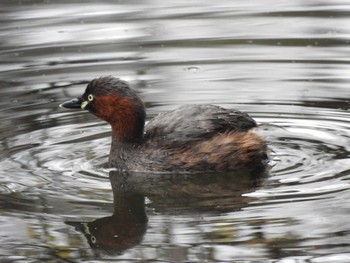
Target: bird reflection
<point>122,230</point>
<point>168,193</point>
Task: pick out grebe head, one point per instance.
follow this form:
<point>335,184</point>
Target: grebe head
<point>112,100</point>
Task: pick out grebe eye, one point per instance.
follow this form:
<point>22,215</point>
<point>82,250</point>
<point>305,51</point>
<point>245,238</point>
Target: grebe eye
<point>90,97</point>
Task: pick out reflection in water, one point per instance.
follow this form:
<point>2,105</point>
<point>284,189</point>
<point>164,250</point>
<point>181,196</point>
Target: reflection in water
<point>122,230</point>
<point>193,193</point>
<point>228,52</point>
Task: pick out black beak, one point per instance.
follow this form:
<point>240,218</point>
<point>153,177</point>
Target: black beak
<point>72,104</point>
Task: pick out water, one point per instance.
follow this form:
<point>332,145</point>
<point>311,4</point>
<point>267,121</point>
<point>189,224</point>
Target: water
<point>284,62</point>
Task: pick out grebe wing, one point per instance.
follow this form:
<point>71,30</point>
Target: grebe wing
<point>192,123</point>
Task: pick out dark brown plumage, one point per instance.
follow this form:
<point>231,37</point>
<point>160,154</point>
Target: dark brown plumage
<point>191,138</point>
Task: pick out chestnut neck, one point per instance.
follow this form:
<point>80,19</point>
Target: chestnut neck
<point>125,114</point>
<point>127,128</point>
<point>127,137</point>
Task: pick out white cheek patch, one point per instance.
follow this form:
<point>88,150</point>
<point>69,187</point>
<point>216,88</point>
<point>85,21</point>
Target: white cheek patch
<point>86,228</point>
<point>84,104</point>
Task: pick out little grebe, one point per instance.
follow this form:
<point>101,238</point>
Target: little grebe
<point>191,138</point>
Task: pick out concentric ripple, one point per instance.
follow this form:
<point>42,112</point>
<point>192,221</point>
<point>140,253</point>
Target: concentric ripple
<point>310,153</point>
<point>284,62</point>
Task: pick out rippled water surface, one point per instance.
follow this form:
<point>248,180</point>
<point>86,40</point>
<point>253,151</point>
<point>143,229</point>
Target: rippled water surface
<point>284,62</point>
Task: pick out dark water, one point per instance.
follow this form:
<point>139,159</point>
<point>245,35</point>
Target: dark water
<point>284,62</point>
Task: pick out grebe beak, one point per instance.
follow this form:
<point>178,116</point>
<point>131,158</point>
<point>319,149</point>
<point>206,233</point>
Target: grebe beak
<point>73,104</point>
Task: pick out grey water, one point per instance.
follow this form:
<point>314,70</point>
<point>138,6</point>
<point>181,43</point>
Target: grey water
<point>286,63</point>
